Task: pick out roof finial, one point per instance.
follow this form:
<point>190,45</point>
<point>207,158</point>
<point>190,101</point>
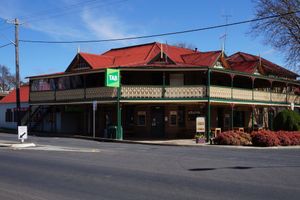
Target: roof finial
<point>78,49</point>
<point>161,51</point>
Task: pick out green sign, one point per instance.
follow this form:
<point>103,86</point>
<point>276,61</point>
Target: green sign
<point>112,78</point>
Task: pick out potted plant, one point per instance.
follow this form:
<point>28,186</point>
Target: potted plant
<point>200,138</point>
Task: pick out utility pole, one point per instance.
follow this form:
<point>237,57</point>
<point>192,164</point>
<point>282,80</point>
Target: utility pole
<point>17,70</point>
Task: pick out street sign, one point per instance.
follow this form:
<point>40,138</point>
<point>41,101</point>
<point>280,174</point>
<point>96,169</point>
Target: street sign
<point>22,133</point>
<point>112,78</point>
<point>200,124</point>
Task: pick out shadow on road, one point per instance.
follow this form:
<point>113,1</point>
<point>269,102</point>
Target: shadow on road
<point>238,167</point>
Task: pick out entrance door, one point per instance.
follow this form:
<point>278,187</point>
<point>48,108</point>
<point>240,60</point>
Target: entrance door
<point>157,122</point>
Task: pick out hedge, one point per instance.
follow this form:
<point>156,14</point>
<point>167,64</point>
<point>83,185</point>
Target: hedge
<point>263,138</point>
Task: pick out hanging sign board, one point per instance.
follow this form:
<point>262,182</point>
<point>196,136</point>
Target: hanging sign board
<point>112,78</point>
<point>200,124</point>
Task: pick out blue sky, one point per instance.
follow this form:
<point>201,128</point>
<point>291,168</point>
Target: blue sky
<point>104,19</point>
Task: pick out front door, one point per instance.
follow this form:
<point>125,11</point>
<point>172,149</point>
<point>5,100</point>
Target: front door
<point>157,122</point>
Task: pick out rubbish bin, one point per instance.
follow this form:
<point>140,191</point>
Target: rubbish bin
<point>112,132</point>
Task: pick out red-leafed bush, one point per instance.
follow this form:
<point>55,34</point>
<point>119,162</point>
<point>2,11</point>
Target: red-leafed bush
<point>283,138</point>
<point>233,138</point>
<point>264,138</point>
<point>294,138</point>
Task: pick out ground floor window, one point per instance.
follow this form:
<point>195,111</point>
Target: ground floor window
<point>8,115</point>
<point>173,118</point>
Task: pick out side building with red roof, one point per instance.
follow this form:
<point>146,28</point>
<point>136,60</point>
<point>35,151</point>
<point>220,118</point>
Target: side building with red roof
<point>163,90</point>
<point>8,110</point>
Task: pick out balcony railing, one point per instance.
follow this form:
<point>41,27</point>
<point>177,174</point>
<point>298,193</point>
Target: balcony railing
<point>158,92</point>
<point>246,94</point>
<point>185,92</point>
<point>141,91</point>
<point>42,96</point>
<point>101,92</point>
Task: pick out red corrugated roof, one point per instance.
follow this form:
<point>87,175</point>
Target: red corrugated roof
<point>202,58</point>
<point>97,61</point>
<point>146,55</point>
<point>245,62</point>
<point>11,97</point>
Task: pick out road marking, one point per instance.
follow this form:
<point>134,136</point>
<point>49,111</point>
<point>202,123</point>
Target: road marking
<point>56,148</point>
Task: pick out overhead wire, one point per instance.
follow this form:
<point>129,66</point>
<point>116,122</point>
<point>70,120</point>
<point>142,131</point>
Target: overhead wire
<point>159,34</point>
<point>5,45</point>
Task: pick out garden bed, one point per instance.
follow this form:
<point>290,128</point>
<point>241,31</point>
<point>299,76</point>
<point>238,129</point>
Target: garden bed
<point>263,138</point>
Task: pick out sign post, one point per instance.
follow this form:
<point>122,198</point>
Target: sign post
<point>113,79</point>
<point>22,133</point>
<point>94,118</point>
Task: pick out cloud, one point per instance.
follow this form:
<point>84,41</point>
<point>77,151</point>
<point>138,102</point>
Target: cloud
<point>106,26</point>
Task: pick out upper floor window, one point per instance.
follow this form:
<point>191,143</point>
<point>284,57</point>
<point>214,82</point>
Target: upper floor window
<point>70,82</point>
<point>43,85</point>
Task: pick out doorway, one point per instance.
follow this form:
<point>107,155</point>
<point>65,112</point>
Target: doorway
<point>157,122</point>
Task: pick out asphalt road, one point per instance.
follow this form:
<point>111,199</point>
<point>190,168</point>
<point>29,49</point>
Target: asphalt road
<point>132,171</point>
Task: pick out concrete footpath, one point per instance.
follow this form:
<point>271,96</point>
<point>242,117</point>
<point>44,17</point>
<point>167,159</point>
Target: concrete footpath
<point>10,141</point>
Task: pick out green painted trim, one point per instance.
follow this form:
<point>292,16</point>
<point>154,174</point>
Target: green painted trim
<point>245,101</point>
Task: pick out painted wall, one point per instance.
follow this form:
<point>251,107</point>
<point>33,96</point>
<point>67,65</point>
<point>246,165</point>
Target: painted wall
<point>3,108</point>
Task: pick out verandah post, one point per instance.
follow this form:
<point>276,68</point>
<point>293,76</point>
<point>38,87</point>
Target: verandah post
<point>119,117</point>
<point>232,106</point>
<point>253,109</point>
<point>208,133</point>
<point>119,113</point>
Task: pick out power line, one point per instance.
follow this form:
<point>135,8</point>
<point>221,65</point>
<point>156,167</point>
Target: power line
<point>5,45</point>
<point>160,34</point>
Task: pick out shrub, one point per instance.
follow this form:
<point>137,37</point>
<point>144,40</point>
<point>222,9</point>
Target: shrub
<point>294,138</point>
<point>287,120</point>
<point>264,138</point>
<point>233,138</point>
<point>283,138</point>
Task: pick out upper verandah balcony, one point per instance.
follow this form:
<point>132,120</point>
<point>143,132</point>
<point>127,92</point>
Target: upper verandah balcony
<point>223,85</point>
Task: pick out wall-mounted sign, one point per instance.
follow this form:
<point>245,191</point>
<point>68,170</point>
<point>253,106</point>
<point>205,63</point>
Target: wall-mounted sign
<point>112,78</point>
<point>200,124</point>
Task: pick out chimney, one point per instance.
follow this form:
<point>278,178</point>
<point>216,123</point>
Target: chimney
<point>196,49</point>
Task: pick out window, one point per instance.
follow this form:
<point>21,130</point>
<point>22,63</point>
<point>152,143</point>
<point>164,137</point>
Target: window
<point>176,79</point>
<point>141,118</point>
<point>63,83</point>
<point>8,115</point>
<point>76,82</point>
<point>173,118</point>
<point>43,85</point>
<point>95,80</point>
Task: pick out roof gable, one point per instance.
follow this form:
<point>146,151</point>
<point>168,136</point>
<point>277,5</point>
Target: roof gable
<point>245,62</point>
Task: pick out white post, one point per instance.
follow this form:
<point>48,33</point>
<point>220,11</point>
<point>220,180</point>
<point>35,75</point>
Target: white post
<point>94,118</point>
